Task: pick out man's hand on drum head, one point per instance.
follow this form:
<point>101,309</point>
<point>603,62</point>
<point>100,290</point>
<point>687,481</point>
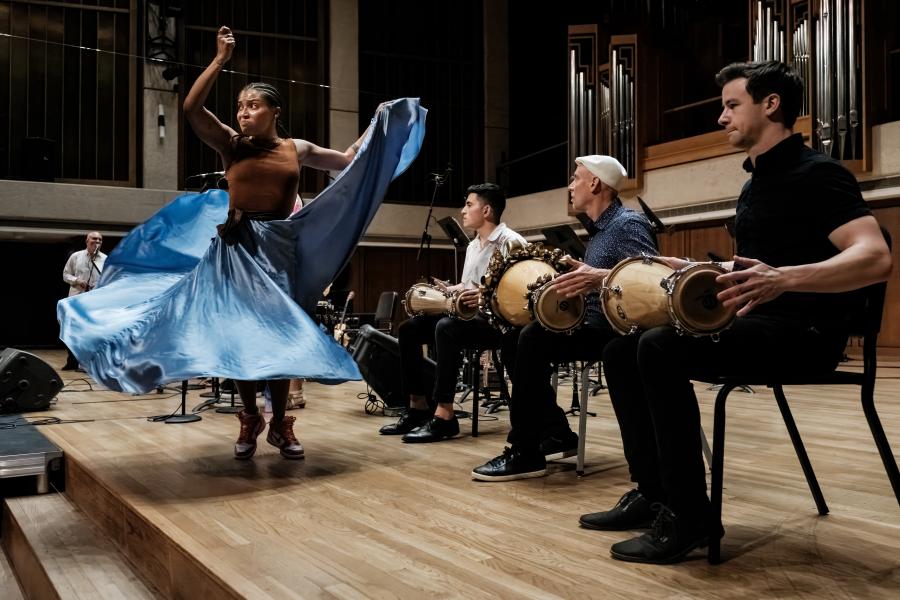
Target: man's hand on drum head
<point>581,280</point>
<point>470,298</point>
<point>752,283</point>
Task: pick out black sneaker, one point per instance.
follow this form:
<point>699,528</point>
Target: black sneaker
<point>511,465</point>
<point>435,430</point>
<point>632,511</point>
<point>560,446</point>
<point>411,419</point>
<point>670,541</point>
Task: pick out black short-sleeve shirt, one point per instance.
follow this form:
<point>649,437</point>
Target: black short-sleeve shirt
<point>793,201</point>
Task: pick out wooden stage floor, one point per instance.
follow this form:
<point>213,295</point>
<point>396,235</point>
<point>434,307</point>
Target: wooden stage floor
<point>367,516</point>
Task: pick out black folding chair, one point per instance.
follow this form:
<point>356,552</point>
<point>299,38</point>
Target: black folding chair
<point>867,325</point>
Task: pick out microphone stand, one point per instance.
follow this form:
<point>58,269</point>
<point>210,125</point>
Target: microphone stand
<point>426,237</point>
<point>184,417</point>
<point>94,267</point>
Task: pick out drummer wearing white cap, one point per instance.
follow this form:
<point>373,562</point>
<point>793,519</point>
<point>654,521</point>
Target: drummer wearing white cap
<point>540,429</point>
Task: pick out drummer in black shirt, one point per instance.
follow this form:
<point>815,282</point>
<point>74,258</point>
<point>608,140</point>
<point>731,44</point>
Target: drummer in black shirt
<point>805,238</point>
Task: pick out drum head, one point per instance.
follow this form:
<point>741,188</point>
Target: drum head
<point>511,297</point>
<point>693,302</point>
<point>555,312</point>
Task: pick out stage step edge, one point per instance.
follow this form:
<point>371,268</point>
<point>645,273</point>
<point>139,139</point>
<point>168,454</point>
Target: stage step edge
<point>9,585</point>
<point>56,552</point>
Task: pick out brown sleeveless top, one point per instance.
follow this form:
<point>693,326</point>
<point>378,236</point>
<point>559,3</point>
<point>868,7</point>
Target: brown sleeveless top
<point>266,182</point>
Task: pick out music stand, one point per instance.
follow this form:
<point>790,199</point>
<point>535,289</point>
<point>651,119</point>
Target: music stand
<point>565,238</point>
<point>459,238</point>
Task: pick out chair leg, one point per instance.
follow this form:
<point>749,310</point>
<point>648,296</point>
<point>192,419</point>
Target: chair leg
<point>707,452</point>
<point>881,441</point>
<point>718,461</point>
<point>501,375</point>
<point>582,418</point>
<point>476,396</point>
<point>800,450</point>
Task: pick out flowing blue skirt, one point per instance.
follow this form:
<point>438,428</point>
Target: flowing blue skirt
<point>175,301</point>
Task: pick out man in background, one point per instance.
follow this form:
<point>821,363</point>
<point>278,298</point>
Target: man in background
<point>82,271</point>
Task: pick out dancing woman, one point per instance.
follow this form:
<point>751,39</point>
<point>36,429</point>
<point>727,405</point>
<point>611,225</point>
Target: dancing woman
<point>172,305</point>
<point>263,173</point>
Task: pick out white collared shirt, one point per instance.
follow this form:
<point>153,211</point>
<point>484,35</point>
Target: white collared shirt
<point>79,267</point>
<point>478,256</point>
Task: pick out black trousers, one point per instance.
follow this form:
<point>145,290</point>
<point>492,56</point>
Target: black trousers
<point>649,378</point>
<point>534,412</point>
<point>450,338</point>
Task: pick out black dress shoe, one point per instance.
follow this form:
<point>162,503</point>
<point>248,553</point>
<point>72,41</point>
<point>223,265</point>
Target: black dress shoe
<point>632,511</point>
<point>671,540</point>
<point>408,421</point>
<point>435,430</point>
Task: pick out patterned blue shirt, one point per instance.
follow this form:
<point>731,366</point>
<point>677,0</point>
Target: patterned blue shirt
<point>620,233</point>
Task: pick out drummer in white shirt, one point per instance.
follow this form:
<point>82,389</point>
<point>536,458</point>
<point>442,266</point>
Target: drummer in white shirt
<point>484,206</point>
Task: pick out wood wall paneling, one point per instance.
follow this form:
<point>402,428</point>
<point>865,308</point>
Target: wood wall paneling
<point>373,270</point>
<point>889,218</point>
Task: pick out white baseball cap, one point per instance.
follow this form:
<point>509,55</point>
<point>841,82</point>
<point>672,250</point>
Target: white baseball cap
<point>606,168</point>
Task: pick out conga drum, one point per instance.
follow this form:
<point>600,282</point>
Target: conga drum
<point>424,299</point>
<point>510,285</point>
<point>644,292</point>
<point>693,305</point>
<point>459,310</point>
<point>555,313</point>
<point>633,297</point>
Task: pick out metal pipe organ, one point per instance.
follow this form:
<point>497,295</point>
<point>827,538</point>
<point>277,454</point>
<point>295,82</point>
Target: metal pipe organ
<point>602,99</point>
<point>837,107</point>
<point>800,58</point>
<point>582,92</point>
<point>623,126</point>
<point>768,41</point>
<point>825,43</point>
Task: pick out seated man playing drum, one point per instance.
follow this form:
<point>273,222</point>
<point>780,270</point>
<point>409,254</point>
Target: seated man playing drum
<point>482,211</point>
<point>804,239</point>
<point>540,430</point>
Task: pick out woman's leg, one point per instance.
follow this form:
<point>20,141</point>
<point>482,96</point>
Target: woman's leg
<point>247,390</point>
<point>278,388</point>
<point>252,423</point>
<point>281,428</point>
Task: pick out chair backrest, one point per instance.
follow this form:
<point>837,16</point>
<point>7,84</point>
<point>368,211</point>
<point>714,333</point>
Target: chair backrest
<point>867,321</point>
<point>387,306</point>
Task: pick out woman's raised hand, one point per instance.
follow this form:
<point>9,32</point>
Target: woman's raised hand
<point>224,45</point>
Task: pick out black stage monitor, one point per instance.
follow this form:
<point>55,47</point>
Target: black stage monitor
<point>454,232</point>
<point>565,238</point>
<point>27,383</point>
<point>378,357</point>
